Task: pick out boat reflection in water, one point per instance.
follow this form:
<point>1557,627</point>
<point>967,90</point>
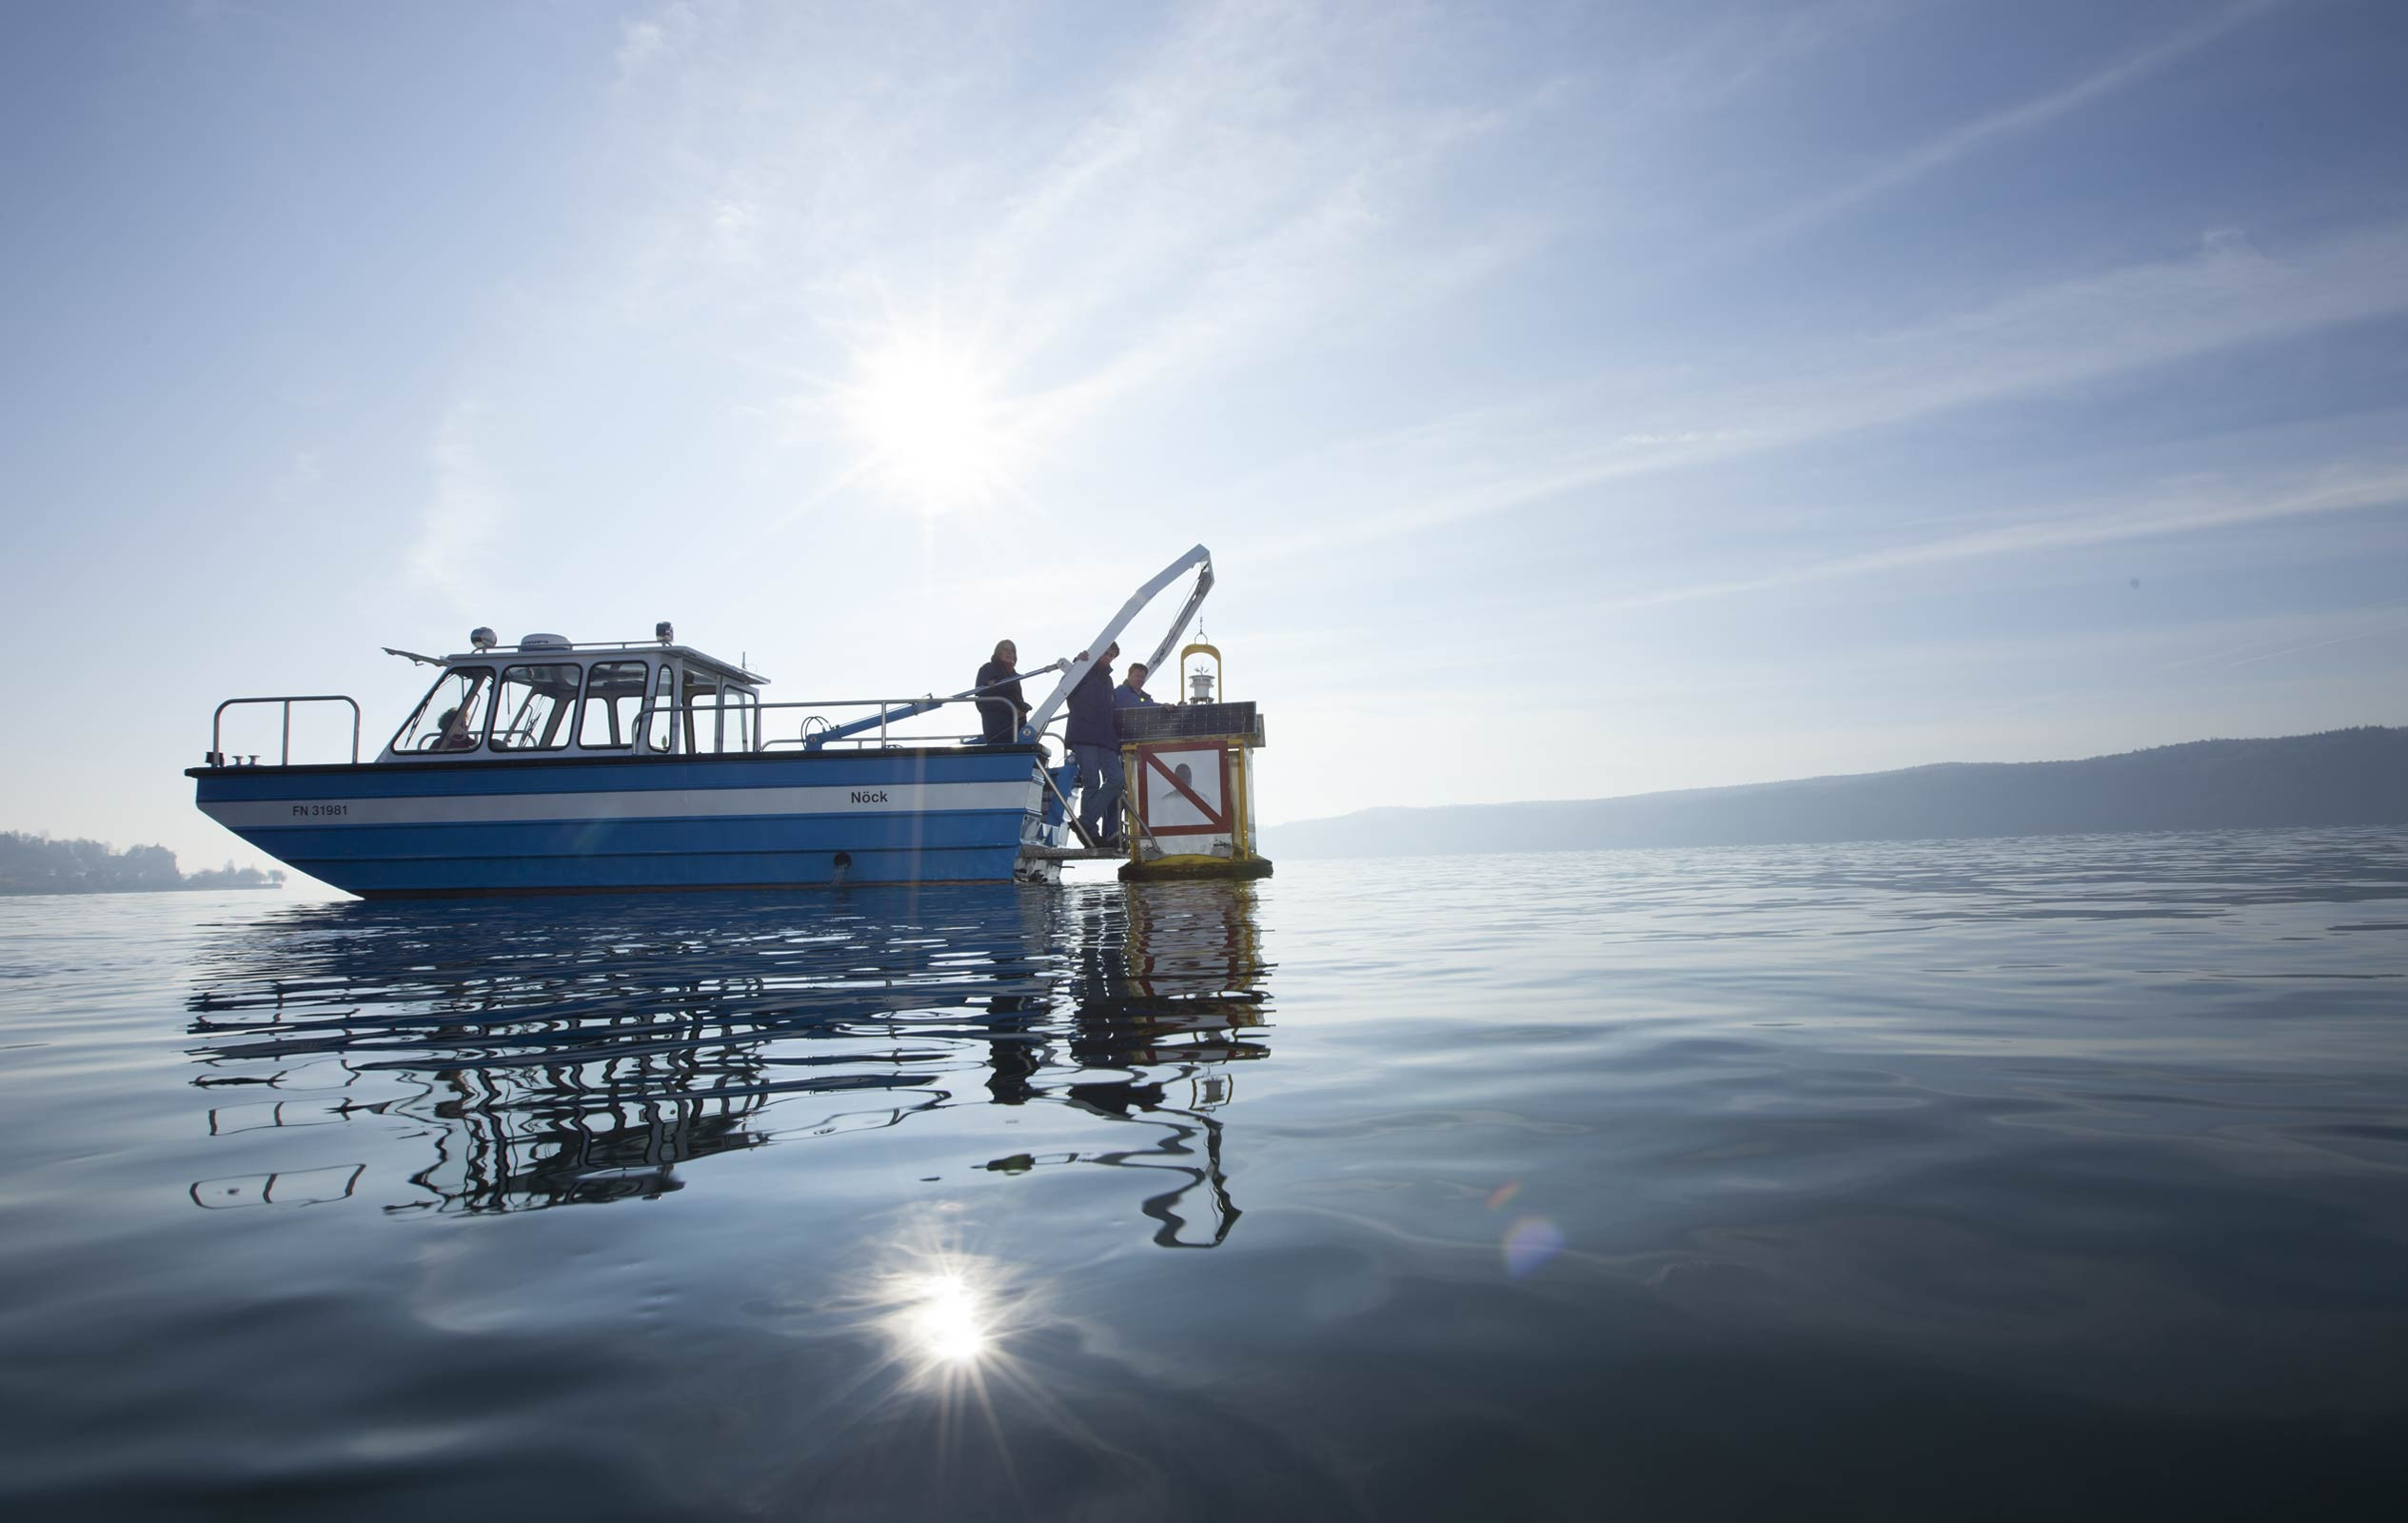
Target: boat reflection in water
<point>513,1055</point>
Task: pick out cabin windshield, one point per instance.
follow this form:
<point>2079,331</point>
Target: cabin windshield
<point>532,709</point>
<point>620,703</point>
<point>452,716</point>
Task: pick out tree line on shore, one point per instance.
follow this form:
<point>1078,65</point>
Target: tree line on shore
<point>39,864</point>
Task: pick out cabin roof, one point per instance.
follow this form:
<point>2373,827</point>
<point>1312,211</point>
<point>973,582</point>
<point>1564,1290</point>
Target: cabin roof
<point>595,649</point>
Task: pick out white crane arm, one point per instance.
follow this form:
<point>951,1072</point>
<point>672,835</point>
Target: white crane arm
<point>1199,557</point>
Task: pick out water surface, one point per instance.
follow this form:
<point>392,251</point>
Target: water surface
<point>1990,1178</point>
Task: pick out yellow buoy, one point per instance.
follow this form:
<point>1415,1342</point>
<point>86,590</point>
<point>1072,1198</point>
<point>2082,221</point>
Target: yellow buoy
<point>1191,780</point>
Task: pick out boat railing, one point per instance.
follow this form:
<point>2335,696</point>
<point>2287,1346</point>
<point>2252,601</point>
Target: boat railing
<point>818,730</point>
<point>217,756</point>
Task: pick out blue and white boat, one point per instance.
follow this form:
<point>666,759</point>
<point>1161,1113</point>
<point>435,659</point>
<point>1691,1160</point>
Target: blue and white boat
<point>560,766</point>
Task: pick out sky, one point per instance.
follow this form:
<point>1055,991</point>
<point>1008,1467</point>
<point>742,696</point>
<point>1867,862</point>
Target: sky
<point>1577,399</point>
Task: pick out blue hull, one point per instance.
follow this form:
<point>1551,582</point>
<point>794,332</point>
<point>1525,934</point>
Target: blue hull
<point>541,825</point>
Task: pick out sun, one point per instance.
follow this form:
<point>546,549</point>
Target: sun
<point>927,413</point>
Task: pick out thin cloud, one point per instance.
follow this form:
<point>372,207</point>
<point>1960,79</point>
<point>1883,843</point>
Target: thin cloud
<point>1251,181</point>
<point>2062,336</point>
<point>645,44</point>
<point>2262,650</point>
<point>2390,626</point>
<point>300,477</point>
<point>2026,117</point>
<point>1218,196</point>
<point>463,522</point>
<point>2187,513</point>
<point>1728,56</point>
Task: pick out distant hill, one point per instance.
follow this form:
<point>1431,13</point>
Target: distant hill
<point>37,865</point>
<point>2356,776</point>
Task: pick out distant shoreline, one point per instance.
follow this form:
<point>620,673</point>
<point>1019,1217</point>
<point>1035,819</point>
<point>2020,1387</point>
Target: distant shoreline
<point>31,864</point>
<point>2338,778</point>
<point>13,892</point>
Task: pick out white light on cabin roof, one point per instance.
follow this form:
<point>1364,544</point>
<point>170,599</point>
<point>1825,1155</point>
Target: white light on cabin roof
<point>484,638</point>
<point>665,632</point>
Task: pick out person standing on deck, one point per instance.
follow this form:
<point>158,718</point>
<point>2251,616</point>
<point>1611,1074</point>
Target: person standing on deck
<point>1094,746</point>
<point>1001,711</point>
<point>1132,692</point>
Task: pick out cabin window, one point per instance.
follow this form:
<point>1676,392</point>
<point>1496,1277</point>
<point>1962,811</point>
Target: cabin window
<point>701,712</point>
<point>659,729</point>
<point>452,716</point>
<point>614,696</point>
<point>720,716</point>
<point>532,707</point>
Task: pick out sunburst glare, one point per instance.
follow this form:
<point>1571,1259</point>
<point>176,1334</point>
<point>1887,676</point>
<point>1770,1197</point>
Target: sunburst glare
<point>927,411</point>
<point>970,1344</point>
<point>947,1317</point>
<point>946,1325</point>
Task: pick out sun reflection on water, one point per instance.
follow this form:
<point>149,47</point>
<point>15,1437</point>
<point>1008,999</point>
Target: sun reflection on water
<point>947,1326</point>
<point>948,1316</point>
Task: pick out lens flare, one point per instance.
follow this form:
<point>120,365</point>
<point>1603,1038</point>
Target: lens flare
<point>1531,1242</point>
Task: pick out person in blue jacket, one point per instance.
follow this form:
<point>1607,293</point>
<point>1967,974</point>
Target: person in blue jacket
<point>1132,692</point>
<point>1093,733</point>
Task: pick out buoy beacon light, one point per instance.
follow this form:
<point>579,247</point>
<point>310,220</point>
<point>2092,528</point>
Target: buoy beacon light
<point>1191,779</point>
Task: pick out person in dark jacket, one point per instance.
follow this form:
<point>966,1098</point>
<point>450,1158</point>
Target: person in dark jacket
<point>1095,748</point>
<point>1001,711</point>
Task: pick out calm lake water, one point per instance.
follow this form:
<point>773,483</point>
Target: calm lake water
<point>1991,1179</point>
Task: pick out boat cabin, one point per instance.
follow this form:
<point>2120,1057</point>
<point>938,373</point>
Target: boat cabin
<point>552,696</point>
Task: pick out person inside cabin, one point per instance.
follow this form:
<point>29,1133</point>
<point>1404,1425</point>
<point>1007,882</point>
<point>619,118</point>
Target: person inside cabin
<point>451,731</point>
<point>1002,710</point>
<point>1095,747</point>
<point>1132,692</point>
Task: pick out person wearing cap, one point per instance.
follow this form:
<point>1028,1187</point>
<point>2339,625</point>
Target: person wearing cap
<point>1093,733</point>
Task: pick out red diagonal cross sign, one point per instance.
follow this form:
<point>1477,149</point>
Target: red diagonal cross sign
<point>1215,817</point>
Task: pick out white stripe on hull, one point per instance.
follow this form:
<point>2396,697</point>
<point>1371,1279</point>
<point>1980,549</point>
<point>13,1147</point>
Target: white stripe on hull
<point>645,803</point>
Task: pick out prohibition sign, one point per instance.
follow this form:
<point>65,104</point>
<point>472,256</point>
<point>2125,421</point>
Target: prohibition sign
<point>1161,768</point>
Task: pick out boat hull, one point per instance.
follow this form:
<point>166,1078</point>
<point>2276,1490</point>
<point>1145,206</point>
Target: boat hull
<point>530,826</point>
